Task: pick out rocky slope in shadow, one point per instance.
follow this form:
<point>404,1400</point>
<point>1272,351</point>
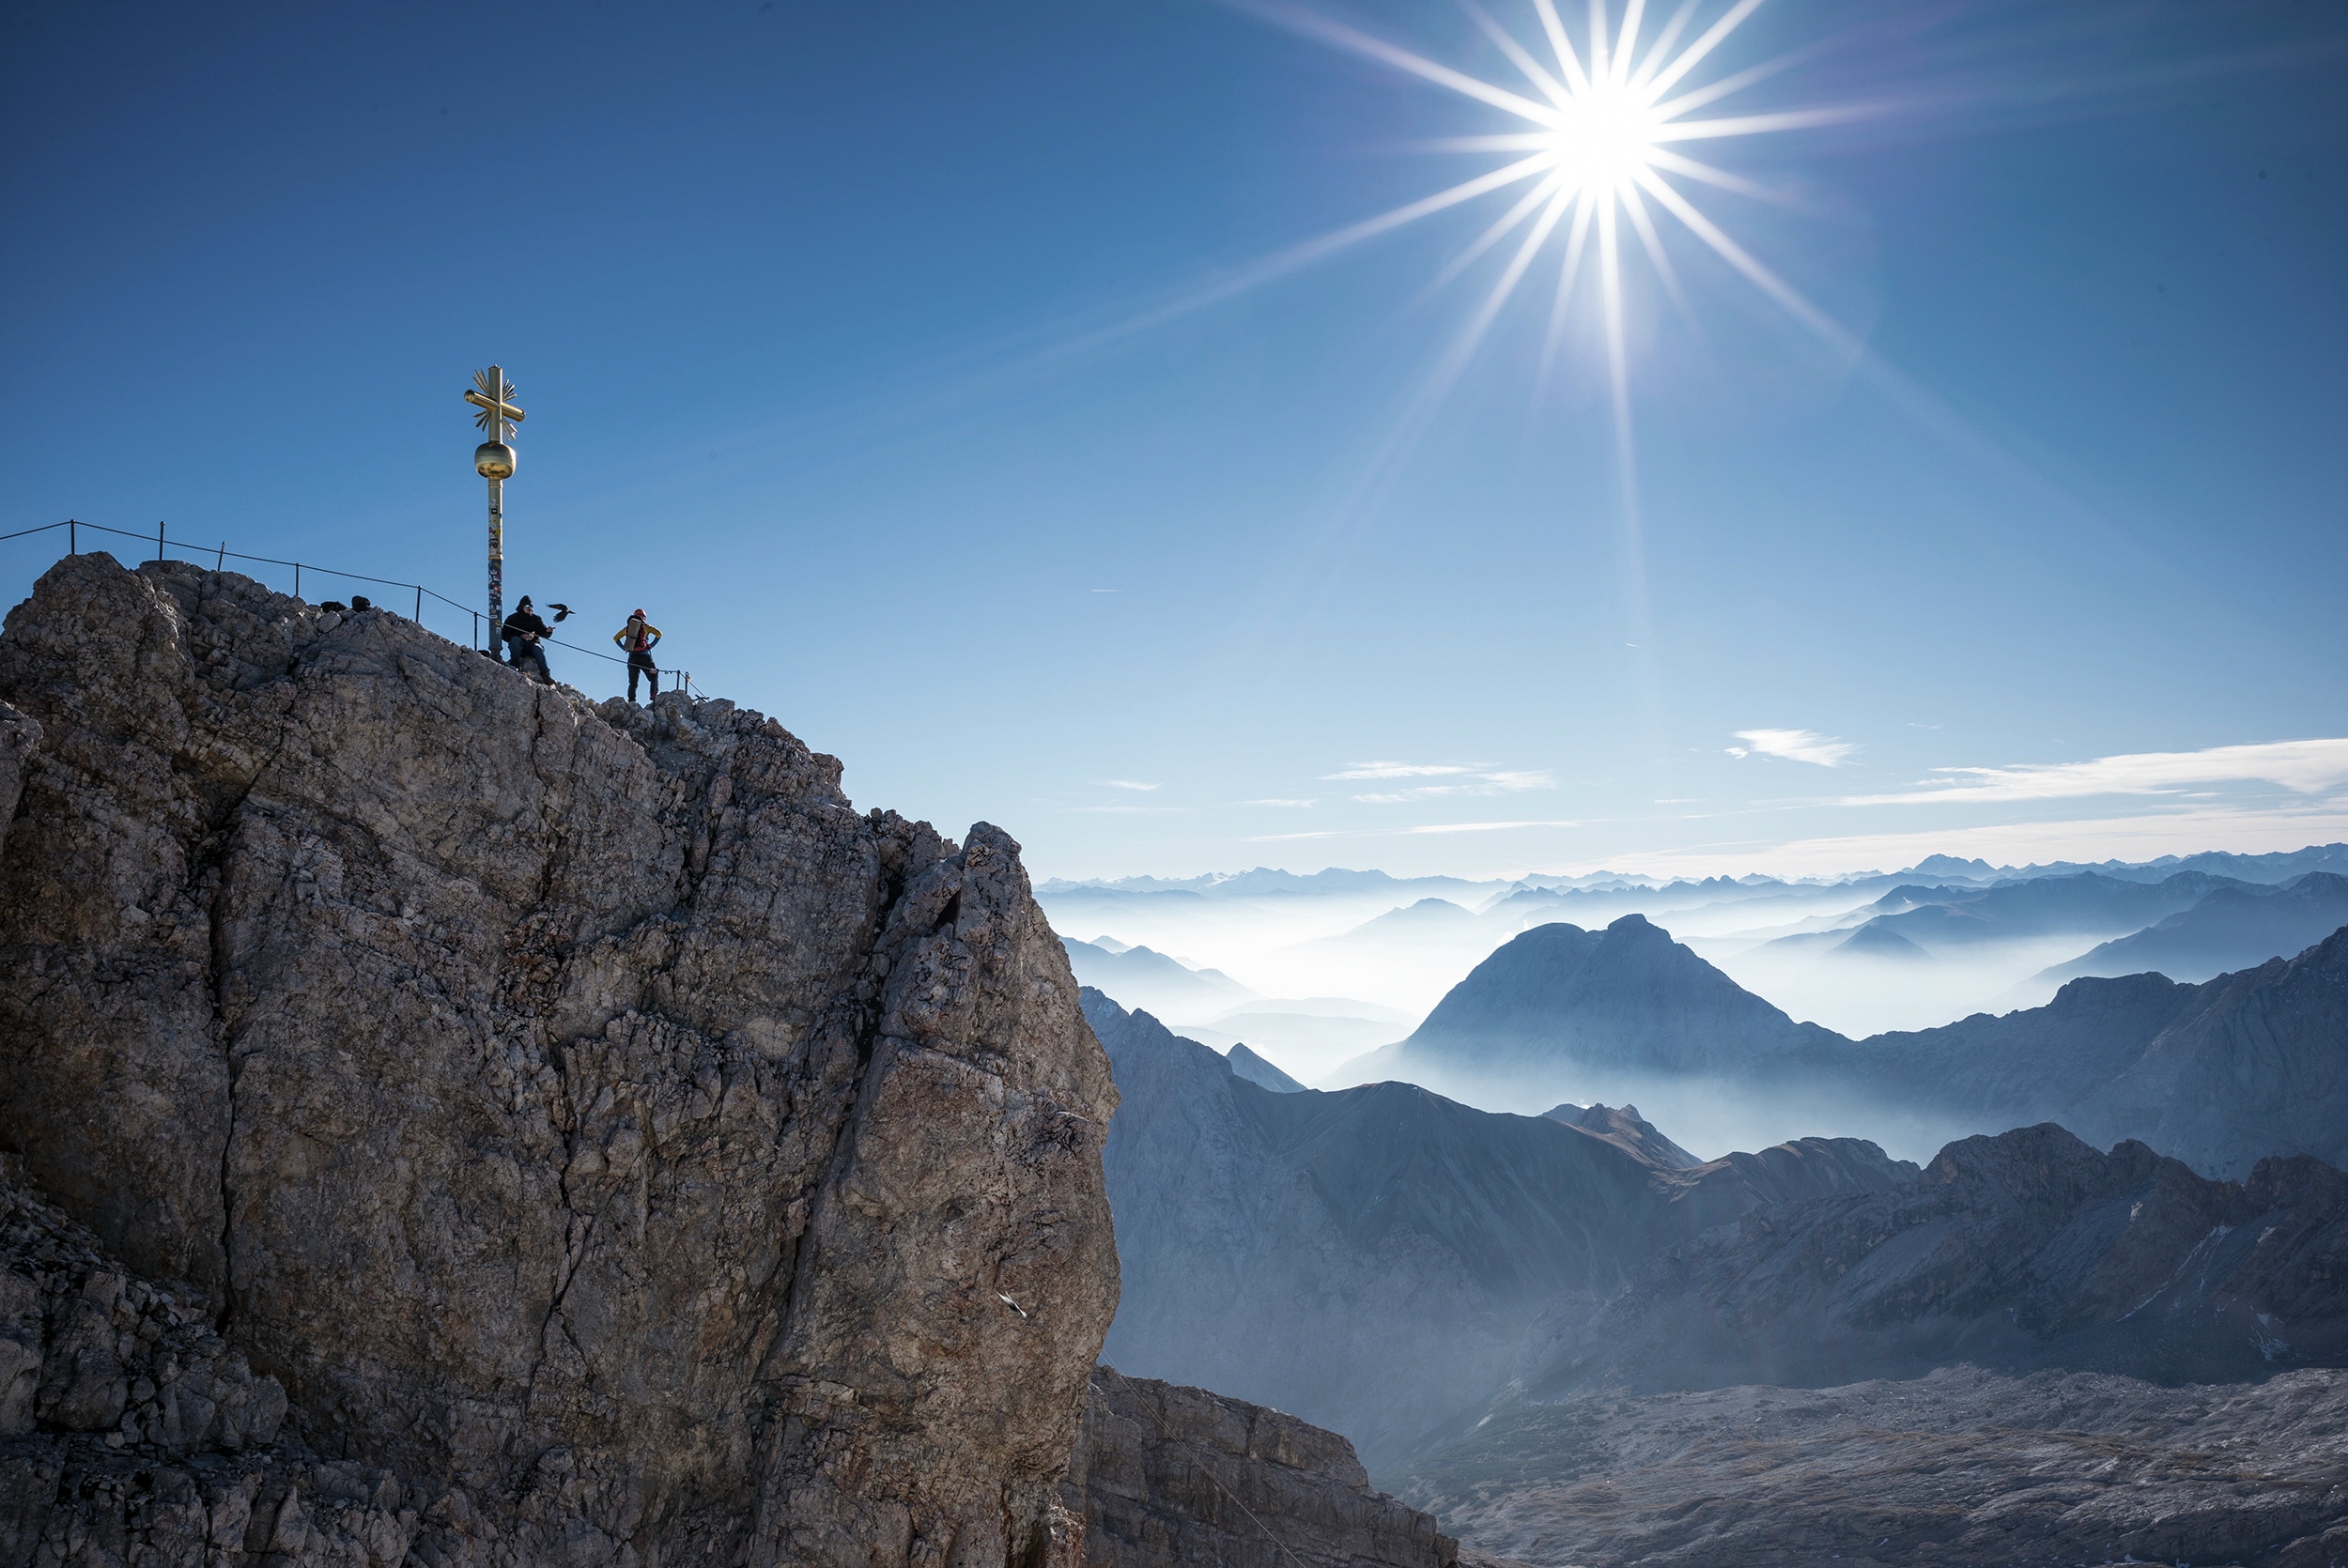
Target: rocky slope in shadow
<point>591,1123</point>
<point>2096,1355</point>
<point>1169,1477</point>
<point>2022,1251</point>
<point>1371,1259</point>
<point>1961,1468</point>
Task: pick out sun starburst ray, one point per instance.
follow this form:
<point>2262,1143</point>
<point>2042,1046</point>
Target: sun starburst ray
<point>1500,228</point>
<point>1562,46</point>
<point>1786,296</point>
<point>1660,50</point>
<point>1696,98</point>
<point>1720,179</point>
<point>1644,226</point>
<point>1627,39</point>
<point>1569,273</point>
<point>1312,24</point>
<point>1692,56</point>
<point>1506,41</point>
<point>1754,125</point>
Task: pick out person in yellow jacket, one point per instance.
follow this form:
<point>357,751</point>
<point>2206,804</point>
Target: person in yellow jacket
<point>637,639</point>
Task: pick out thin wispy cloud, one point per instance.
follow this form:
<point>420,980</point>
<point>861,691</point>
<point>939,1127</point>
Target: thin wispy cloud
<point>1795,746</point>
<point>1123,784</point>
<point>1460,779</point>
<point>1122,810</point>
<point>1277,802</point>
<point>2302,767</point>
<point>1400,770</point>
<point>1403,832</point>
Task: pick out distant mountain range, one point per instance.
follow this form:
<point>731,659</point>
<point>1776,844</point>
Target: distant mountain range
<point>2237,925</point>
<point>2220,1074</point>
<point>1264,879</point>
<point>1149,978</point>
<point>1911,919</point>
<point>1371,1259</point>
<point>2027,1249</point>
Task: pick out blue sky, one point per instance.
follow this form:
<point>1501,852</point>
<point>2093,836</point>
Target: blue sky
<point>865,347</point>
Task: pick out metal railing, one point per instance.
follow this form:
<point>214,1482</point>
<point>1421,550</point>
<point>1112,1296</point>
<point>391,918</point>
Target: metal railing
<point>222,555</point>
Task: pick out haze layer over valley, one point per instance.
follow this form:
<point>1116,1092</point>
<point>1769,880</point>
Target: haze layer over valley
<point>1316,972</point>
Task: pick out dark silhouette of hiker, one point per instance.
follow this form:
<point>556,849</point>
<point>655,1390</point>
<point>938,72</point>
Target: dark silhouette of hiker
<point>525,637</point>
<point>637,638</point>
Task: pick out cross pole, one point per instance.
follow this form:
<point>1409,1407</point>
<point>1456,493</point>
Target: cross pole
<point>493,394</point>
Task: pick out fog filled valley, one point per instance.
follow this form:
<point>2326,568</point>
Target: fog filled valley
<point>1316,973</point>
<point>1960,1214</point>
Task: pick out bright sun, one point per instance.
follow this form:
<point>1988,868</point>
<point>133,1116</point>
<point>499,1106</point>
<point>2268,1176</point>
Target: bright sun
<point>1607,137</point>
<point>1600,120</point>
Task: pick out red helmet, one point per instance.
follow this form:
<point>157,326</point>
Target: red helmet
<point>636,615</point>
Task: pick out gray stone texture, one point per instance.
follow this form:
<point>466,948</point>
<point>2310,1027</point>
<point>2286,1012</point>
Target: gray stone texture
<point>1960,1469</point>
<point>579,1111</point>
<point>1171,1477</point>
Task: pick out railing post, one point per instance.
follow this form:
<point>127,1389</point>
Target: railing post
<point>158,541</point>
<point>219,561</point>
<point>72,536</point>
<point>419,604</point>
<point>297,579</point>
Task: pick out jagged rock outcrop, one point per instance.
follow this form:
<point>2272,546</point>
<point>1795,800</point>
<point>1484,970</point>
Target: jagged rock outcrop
<point>130,1431</point>
<point>17,736</point>
<point>581,1111</point>
<point>2022,1251</point>
<point>1623,1125</point>
<point>1172,1477</point>
<point>1961,1468</point>
<point>1371,1259</point>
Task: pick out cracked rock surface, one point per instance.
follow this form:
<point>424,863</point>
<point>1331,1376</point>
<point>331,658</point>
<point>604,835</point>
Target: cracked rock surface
<point>1170,1477</point>
<point>579,1112</point>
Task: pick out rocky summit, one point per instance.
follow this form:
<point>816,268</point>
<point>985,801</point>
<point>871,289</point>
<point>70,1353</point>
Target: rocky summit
<point>509,1129</point>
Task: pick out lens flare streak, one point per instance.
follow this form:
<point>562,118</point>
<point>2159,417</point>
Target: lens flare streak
<point>1603,123</point>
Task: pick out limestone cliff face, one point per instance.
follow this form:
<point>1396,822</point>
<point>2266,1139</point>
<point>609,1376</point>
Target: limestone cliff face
<point>581,1111</point>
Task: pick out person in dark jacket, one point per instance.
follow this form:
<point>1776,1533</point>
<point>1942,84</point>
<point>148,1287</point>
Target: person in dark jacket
<point>525,635</point>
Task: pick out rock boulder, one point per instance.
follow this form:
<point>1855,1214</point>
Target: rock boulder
<point>579,1110</point>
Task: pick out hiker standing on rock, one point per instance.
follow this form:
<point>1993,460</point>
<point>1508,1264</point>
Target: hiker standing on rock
<point>637,638</point>
<point>525,637</point>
